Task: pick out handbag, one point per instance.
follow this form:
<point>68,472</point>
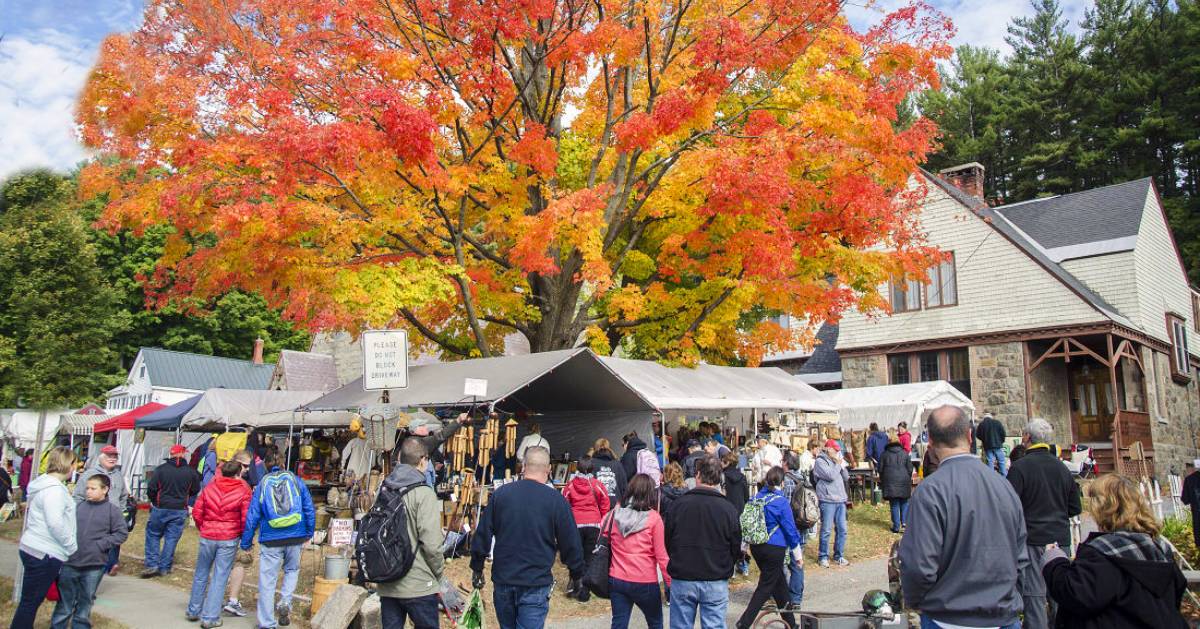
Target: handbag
<point>596,577</point>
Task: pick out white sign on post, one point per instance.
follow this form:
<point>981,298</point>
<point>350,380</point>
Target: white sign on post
<point>475,387</point>
<point>385,359</point>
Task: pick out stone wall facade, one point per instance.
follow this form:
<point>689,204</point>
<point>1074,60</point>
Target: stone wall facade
<point>1049,398</point>
<point>864,371</point>
<point>998,383</point>
<point>1175,435</point>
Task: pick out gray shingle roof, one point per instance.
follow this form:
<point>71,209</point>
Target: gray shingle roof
<point>307,371</point>
<point>1001,224</point>
<point>182,370</point>
<point>824,358</point>
<point>1095,215</point>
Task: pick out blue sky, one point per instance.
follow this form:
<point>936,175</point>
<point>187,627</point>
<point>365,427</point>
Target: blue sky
<point>47,47</point>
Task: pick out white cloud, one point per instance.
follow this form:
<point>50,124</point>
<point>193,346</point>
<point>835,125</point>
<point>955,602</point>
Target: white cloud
<point>978,23</point>
<point>41,74</point>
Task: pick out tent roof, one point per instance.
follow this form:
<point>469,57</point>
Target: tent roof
<point>714,387</point>
<point>76,424</point>
<point>126,420</point>
<point>891,404</point>
<point>167,418</point>
<point>221,408</point>
<point>565,380</point>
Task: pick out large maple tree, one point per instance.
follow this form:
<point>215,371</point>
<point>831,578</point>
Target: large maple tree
<point>602,171</point>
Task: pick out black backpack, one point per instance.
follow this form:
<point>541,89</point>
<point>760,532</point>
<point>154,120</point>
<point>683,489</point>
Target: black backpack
<point>805,507</point>
<point>384,550</point>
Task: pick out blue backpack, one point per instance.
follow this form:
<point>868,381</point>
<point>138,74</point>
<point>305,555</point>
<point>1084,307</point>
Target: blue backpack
<point>281,500</point>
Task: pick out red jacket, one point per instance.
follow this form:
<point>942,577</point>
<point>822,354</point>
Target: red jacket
<point>905,439</point>
<point>588,498</point>
<point>220,510</point>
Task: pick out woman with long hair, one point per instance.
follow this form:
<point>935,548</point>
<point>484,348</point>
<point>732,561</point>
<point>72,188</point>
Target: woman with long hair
<point>773,554</point>
<point>638,555</point>
<point>895,478</point>
<point>1123,575</point>
<point>672,488</point>
<point>608,470</point>
<point>49,536</point>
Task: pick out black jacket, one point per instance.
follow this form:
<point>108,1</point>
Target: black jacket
<point>612,474</point>
<point>173,485</point>
<point>629,459</point>
<point>990,432</point>
<point>530,523</point>
<point>895,472</point>
<point>667,495</point>
<point>689,463</point>
<point>737,490</point>
<point>1117,580</point>
<point>703,537</point>
<point>1190,495</point>
<point>1049,496</point>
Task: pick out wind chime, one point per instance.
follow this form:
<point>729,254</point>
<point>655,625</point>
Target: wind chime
<point>488,439</point>
<point>510,444</point>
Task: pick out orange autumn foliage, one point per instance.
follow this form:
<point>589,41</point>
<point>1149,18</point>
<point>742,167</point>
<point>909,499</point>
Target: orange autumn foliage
<point>632,173</point>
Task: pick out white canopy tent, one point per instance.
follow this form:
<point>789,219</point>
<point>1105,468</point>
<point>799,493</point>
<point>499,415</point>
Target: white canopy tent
<point>19,426</point>
<point>710,387</point>
<point>892,404</point>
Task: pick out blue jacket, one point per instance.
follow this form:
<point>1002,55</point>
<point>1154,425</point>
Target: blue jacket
<point>778,513</point>
<point>876,444</point>
<point>297,533</point>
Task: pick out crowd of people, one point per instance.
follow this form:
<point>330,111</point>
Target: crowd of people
<point>984,544</point>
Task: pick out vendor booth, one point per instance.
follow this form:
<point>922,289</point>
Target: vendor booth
<point>892,404</point>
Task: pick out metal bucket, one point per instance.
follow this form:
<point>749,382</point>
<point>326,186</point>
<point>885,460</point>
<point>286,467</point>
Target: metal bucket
<point>337,567</point>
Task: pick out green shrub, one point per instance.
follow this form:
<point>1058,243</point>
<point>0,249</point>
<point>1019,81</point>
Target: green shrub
<point>1178,529</point>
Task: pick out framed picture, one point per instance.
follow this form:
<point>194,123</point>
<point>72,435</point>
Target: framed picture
<point>560,472</point>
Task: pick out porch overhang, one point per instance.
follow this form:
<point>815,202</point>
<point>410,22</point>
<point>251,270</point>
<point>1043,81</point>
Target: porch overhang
<point>1011,336</point>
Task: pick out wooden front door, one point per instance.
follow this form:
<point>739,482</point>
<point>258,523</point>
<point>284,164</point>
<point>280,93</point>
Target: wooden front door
<point>1092,408</point>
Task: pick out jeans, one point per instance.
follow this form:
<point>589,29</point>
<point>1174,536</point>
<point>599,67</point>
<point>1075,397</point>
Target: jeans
<point>899,513</point>
<point>165,526</point>
<point>832,514</point>
<point>423,611</point>
<point>772,583</point>
<point>521,607</point>
<point>1039,608</point>
<point>795,581</point>
<point>76,593</point>
<point>710,598</point>
<point>39,574</point>
<point>114,556</point>
<point>214,558</point>
<point>929,623</point>
<point>625,595</point>
<point>996,456</point>
<point>270,560</point>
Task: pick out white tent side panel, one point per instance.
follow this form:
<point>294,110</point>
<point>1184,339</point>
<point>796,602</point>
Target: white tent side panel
<point>889,405</point>
<point>155,447</point>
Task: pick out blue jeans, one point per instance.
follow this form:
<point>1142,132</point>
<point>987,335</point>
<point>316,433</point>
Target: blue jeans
<point>929,623</point>
<point>795,581</point>
<point>625,595</point>
<point>832,514</point>
<point>270,560</point>
<point>996,456</point>
<point>709,598</point>
<point>521,607</point>
<point>76,593</point>
<point>423,611</point>
<point>39,574</point>
<point>214,558</point>
<point>165,526</point>
<point>899,513</point>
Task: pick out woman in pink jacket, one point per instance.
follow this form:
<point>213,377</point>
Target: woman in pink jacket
<point>638,555</point>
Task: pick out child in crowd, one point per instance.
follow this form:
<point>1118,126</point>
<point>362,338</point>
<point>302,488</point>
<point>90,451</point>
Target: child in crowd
<point>99,527</point>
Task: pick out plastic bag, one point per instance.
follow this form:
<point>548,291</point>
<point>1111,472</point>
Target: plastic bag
<point>452,599</point>
<point>472,616</point>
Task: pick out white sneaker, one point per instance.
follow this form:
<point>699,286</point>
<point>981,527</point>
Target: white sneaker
<point>234,608</point>
<point>841,561</point>
<point>824,563</point>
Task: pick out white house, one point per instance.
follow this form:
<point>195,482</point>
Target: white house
<point>167,377</point>
<point>1075,308</point>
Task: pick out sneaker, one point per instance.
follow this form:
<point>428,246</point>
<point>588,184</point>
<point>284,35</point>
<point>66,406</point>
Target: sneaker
<point>114,570</point>
<point>283,613</point>
<point>841,561</point>
<point>209,625</point>
<point>149,573</point>
<point>191,618</point>
<point>234,608</point>
<point>824,563</point>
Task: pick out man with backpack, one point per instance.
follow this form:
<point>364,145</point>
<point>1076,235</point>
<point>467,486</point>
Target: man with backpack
<point>282,513</point>
<point>806,513</point>
<point>400,542</point>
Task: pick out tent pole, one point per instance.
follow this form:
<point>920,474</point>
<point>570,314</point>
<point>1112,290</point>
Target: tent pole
<point>291,424</point>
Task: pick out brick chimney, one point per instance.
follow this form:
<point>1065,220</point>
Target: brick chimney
<point>965,177</point>
<point>258,349</point>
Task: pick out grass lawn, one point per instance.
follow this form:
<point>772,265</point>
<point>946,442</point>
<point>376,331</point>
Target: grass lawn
<point>7,608</point>
<point>869,537</point>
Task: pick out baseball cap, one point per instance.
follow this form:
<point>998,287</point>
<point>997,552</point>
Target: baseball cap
<point>693,443</point>
<point>833,444</point>
<point>109,450</point>
<point>178,448</point>
<point>761,437</point>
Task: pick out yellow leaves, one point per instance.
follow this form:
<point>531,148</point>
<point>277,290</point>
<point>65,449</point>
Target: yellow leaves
<point>376,292</point>
<point>595,338</point>
<point>637,265</point>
